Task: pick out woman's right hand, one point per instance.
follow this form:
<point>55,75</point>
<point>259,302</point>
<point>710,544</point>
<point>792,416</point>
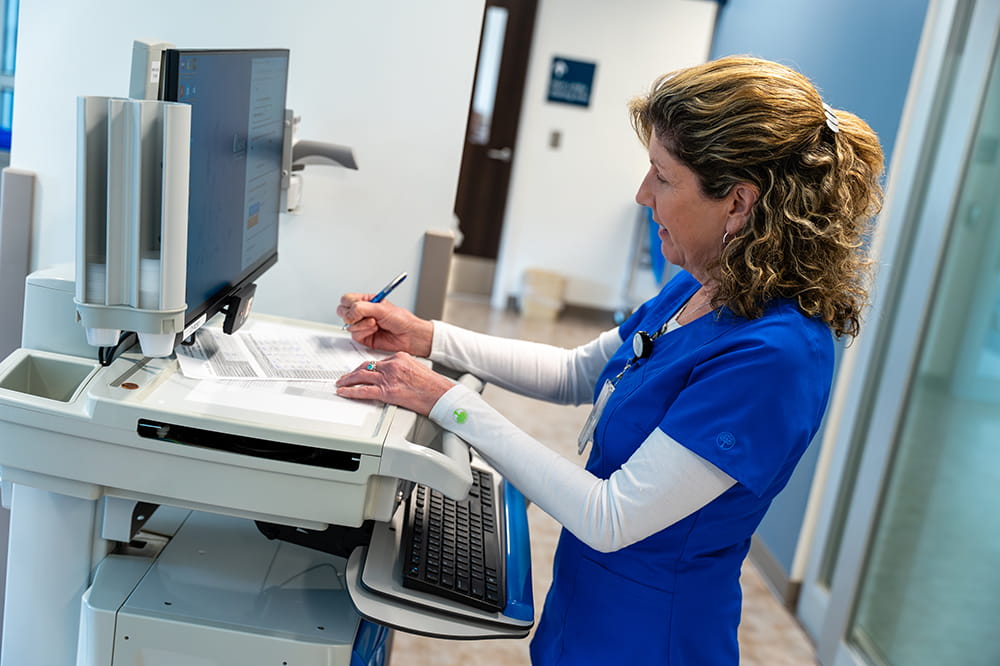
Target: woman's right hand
<point>385,326</point>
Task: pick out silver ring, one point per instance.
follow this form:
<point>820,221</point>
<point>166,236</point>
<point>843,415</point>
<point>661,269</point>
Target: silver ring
<point>370,366</point>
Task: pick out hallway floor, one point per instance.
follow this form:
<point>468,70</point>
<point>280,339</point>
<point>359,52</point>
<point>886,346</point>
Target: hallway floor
<point>769,635</point>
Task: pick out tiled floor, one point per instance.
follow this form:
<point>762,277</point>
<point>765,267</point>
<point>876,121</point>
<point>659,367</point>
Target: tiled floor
<point>768,634</point>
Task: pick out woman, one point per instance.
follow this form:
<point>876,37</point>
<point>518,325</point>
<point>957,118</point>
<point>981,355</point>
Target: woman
<point>763,195</point>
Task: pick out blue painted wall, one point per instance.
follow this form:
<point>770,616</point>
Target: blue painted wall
<point>860,54</point>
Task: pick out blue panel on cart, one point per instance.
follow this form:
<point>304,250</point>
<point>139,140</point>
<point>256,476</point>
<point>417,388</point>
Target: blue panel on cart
<point>370,647</point>
<point>520,601</point>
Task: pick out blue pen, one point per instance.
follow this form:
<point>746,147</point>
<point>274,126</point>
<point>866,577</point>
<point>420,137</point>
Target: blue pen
<point>386,290</point>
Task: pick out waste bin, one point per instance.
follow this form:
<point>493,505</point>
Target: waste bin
<point>542,294</point>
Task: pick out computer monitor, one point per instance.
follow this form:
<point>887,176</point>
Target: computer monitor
<point>237,129</point>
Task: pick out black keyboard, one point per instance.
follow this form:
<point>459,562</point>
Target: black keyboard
<point>452,549</point>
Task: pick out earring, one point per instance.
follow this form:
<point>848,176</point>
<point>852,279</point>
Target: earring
<point>725,237</point>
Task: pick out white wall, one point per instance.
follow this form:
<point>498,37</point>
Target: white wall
<point>572,209</point>
<point>392,79</point>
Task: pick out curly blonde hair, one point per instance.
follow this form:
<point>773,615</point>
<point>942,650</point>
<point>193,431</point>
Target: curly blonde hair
<point>742,119</point>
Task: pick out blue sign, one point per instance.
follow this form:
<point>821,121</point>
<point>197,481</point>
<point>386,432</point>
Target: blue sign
<point>571,81</point>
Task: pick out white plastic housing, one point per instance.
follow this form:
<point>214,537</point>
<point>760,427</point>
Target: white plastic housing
<point>132,200</point>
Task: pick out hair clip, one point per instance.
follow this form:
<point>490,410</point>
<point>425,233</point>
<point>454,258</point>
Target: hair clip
<point>831,118</point>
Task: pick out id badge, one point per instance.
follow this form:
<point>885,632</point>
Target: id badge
<point>587,434</point>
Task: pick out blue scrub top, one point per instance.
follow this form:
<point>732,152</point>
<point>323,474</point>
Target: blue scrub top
<point>746,395</point>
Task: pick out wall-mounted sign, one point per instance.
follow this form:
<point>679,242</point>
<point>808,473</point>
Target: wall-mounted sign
<point>571,81</point>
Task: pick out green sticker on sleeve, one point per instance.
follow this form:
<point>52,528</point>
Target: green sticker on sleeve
<point>460,415</point>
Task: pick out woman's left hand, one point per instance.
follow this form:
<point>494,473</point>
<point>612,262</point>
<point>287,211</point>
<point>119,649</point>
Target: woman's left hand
<point>398,380</point>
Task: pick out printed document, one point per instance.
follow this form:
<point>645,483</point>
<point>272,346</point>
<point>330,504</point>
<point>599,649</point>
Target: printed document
<point>272,352</point>
<point>277,369</point>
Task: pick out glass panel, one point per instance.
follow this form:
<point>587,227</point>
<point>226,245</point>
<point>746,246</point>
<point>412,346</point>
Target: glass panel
<point>487,73</point>
<point>9,37</point>
<point>929,595</point>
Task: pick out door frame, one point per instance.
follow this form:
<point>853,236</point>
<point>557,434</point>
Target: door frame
<point>946,94</point>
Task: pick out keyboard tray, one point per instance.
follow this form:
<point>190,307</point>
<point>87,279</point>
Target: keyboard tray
<point>374,581</point>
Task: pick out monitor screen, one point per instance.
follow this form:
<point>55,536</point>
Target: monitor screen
<point>237,128</point>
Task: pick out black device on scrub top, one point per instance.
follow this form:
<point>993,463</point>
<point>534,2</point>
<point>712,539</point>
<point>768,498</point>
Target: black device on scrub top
<point>642,344</point>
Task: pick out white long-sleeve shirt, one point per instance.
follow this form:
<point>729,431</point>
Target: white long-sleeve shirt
<point>661,483</point>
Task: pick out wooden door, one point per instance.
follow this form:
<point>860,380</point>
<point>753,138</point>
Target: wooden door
<point>491,132</point>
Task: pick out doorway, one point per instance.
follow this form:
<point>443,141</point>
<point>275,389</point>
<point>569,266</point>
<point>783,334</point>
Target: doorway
<point>490,140</point>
